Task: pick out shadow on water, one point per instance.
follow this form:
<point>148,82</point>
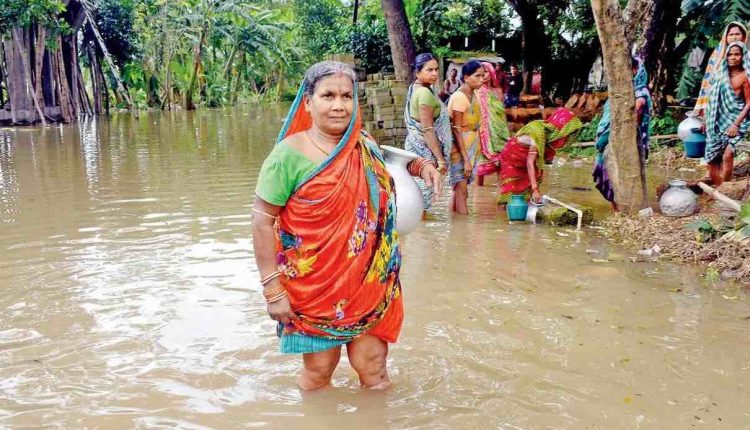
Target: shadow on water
<point>130,299</point>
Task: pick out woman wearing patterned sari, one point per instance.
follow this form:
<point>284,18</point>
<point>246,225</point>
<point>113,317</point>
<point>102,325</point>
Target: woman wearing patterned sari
<point>427,121</point>
<point>323,234</point>
<point>643,117</point>
<point>524,156</point>
<point>465,118</point>
<point>727,112</point>
<point>734,32</point>
<point>493,126</point>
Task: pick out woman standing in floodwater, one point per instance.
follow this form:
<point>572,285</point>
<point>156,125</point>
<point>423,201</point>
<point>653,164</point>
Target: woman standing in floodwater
<point>465,117</point>
<point>324,234</point>
<point>643,118</point>
<point>427,121</point>
<point>493,128</point>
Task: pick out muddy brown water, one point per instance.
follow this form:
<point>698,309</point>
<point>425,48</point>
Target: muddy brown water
<point>130,300</point>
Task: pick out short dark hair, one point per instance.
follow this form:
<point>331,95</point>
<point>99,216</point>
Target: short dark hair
<point>422,59</point>
<point>469,68</point>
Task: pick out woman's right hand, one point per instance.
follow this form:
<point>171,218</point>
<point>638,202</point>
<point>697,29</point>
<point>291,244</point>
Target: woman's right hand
<point>467,167</point>
<point>442,166</point>
<point>536,196</point>
<point>281,310</point>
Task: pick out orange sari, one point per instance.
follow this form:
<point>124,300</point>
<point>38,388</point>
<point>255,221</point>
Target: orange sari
<point>337,246</point>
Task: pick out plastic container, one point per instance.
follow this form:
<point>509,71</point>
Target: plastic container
<point>695,144</point>
<point>517,207</point>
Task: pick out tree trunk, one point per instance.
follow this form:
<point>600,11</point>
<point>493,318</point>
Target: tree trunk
<point>356,11</point>
<point>659,53</point>
<point>11,68</point>
<point>39,49</point>
<point>236,88</point>
<point>48,80</point>
<point>2,77</point>
<point>638,15</point>
<point>71,70</point>
<point>96,86</point>
<point>230,61</point>
<point>399,36</point>
<point>532,45</point>
<point>85,101</point>
<point>21,39</point>
<point>197,51</point>
<point>66,107</point>
<point>624,163</point>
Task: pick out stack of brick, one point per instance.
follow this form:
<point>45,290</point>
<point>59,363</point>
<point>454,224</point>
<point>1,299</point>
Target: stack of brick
<point>383,108</point>
<point>382,99</point>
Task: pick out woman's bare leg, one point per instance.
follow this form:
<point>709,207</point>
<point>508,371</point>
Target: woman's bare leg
<point>728,164</point>
<point>367,355</point>
<point>319,367</point>
<point>461,196</point>
<point>715,172</point>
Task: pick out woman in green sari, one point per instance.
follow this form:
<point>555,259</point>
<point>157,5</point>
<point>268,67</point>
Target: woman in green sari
<point>493,126</point>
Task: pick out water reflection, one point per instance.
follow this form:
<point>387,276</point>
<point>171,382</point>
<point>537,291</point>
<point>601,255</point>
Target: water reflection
<point>130,300</point>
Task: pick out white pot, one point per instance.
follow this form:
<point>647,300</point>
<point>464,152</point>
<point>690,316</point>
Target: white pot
<point>684,129</point>
<point>408,195</point>
<point>678,200</point>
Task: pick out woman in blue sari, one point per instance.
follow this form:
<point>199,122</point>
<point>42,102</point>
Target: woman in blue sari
<point>427,121</point>
<point>643,116</point>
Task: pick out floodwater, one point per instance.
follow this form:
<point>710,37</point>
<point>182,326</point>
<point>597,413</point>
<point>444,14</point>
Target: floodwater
<point>130,299</point>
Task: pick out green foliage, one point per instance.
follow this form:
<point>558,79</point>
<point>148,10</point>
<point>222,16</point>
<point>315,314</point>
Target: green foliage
<point>712,275</point>
<point>369,42</point>
<point>588,132</point>
<point>689,84</point>
<point>704,230</point>
<point>22,13</point>
<point>736,10</point>
<point>665,124</point>
<point>115,20</point>
<point>324,26</point>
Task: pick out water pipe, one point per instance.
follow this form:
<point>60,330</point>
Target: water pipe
<point>578,212</point>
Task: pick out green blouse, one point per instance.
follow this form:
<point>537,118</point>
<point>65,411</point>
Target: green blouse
<point>423,96</point>
<point>283,169</point>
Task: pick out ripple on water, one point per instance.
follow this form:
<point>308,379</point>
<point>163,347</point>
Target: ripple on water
<point>130,299</point>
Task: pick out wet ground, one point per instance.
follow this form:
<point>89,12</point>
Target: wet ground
<point>130,300</point>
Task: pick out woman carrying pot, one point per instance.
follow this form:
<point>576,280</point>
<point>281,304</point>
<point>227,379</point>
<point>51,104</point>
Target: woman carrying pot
<point>324,237</point>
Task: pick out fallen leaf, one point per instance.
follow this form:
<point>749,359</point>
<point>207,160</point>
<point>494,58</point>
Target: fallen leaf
<point>675,290</point>
<point>628,400</point>
<point>567,316</point>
